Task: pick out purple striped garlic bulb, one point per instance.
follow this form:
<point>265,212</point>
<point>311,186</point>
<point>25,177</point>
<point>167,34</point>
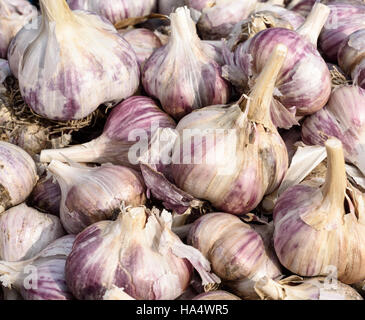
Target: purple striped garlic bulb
<point>46,196</point>
<point>238,253</point>
<point>321,230</point>
<point>196,80</point>
<point>94,194</point>
<point>137,253</point>
<point>14,14</point>
<point>344,19</point>
<point>304,83</point>
<point>18,175</point>
<point>24,232</point>
<point>233,155</point>
<point>143,41</point>
<point>66,75</point>
<point>296,288</point>
<point>343,118</point>
<point>43,276</point>
<point>115,10</point>
<point>136,117</point>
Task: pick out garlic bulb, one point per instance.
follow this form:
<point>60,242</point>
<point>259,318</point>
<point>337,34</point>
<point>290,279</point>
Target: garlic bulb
<point>46,196</point>
<point>343,118</point>
<point>136,117</point>
<point>344,19</point>
<point>15,187</point>
<point>14,14</point>
<point>137,253</point>
<point>90,195</point>
<point>304,82</point>
<point>115,10</point>
<point>319,229</point>
<point>219,17</point>
<point>296,288</point>
<point>216,295</point>
<point>351,51</point>
<point>236,251</point>
<point>169,6</point>
<point>197,80</point>
<point>233,157</point>
<point>24,232</point>
<point>62,81</point>
<point>144,43</point>
<point>43,276</point>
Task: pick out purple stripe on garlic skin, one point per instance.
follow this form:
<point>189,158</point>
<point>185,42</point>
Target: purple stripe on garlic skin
<point>14,14</point>
<point>343,118</point>
<point>59,81</point>
<point>316,228</point>
<point>197,80</point>
<point>143,41</point>
<point>90,195</point>
<point>241,148</point>
<point>236,251</point>
<point>15,187</point>
<point>129,254</point>
<point>344,19</point>
<point>136,116</point>
<point>115,10</point>
<point>43,276</point>
<point>304,81</point>
<point>302,7</point>
<point>24,232</point>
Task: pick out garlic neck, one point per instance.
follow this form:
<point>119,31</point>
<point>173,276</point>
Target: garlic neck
<point>62,172</point>
<point>334,189</point>
<point>132,220</point>
<point>313,26</point>
<point>55,10</point>
<point>261,97</point>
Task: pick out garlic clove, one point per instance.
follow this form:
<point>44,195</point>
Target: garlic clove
<point>43,276</point>
<point>138,254</point>
<point>63,81</point>
<point>115,10</point>
<point>216,295</point>
<point>312,225</point>
<point>15,188</point>
<point>90,195</point>
<point>24,232</point>
<point>196,84</point>
<point>131,123</point>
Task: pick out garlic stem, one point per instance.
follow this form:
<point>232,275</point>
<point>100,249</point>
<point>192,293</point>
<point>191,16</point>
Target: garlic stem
<point>61,171</point>
<point>334,188</point>
<point>183,28</point>
<point>262,93</point>
<point>132,220</point>
<point>55,10</point>
<point>313,26</point>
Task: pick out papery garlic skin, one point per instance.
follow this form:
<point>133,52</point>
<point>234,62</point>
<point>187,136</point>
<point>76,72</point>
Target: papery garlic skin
<point>315,233</point>
<point>296,288</point>
<point>169,6</point>
<point>223,151</point>
<point>14,14</point>
<point>127,254</point>
<point>236,251</point>
<point>48,282</point>
<point>359,74</point>
<point>15,187</point>
<point>343,118</point>
<point>46,196</point>
<point>67,82</point>
<point>304,82</point>
<point>352,51</point>
<point>90,195</point>
<point>134,118</point>
<point>344,19</point>
<point>219,17</point>
<point>24,232</point>
<point>144,43</point>
<point>115,10</point>
<point>197,80</point>
<point>216,295</point>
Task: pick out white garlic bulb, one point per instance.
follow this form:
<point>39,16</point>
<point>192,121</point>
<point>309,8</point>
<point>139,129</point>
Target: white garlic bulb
<point>72,63</point>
